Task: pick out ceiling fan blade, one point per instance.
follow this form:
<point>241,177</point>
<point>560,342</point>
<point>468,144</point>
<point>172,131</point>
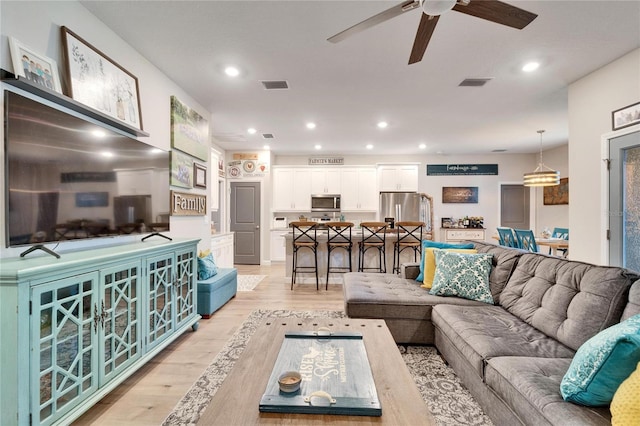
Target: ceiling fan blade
<point>498,12</point>
<point>425,31</point>
<point>375,20</point>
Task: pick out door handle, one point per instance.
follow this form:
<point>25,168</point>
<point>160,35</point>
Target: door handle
<point>257,226</point>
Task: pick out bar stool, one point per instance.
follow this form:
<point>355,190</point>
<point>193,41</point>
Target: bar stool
<point>338,237</point>
<point>304,236</point>
<point>409,237</point>
<point>373,237</point>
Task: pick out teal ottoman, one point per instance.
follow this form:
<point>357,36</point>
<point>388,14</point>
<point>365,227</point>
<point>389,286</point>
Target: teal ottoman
<point>214,292</point>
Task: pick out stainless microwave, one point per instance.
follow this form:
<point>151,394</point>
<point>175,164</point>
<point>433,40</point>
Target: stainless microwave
<point>325,203</point>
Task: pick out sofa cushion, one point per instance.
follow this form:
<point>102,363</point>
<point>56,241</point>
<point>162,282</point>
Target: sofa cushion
<point>633,304</point>
<point>602,364</point>
<point>504,262</point>
<point>462,274</point>
<point>530,386</point>
<point>429,266</point>
<point>387,296</point>
<point>625,409</point>
<point>207,267</point>
<point>440,245</point>
<point>567,300</point>
<point>484,332</point>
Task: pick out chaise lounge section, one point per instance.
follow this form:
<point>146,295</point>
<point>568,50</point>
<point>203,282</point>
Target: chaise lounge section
<point>511,355</point>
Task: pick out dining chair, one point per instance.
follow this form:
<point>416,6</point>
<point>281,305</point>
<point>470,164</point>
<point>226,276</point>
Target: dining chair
<point>526,240</point>
<point>560,233</point>
<point>507,238</point>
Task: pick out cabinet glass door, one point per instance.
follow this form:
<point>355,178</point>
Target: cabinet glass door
<point>120,309</point>
<point>64,347</point>
<point>160,323</point>
<point>185,286</point>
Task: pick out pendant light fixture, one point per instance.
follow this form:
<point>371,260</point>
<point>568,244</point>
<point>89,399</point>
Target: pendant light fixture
<point>542,175</point>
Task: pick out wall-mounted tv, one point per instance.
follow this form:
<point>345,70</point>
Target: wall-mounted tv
<point>68,178</point>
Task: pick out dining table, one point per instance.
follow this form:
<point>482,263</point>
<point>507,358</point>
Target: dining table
<point>554,244</point>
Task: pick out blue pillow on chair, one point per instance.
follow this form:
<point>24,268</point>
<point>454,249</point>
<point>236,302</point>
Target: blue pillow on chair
<point>438,245</point>
<point>207,267</point>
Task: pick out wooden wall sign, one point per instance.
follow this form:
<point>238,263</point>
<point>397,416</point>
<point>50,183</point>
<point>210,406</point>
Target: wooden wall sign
<point>461,169</point>
<point>185,204</point>
<point>459,194</point>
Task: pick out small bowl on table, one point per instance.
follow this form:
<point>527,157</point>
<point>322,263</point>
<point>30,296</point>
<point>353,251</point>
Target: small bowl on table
<point>289,381</point>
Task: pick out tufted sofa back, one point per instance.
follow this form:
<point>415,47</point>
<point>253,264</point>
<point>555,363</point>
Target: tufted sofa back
<point>504,263</point>
<point>567,300</point>
<point>633,305</point>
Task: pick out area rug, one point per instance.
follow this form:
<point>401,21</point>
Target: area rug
<point>249,282</point>
<point>446,398</point>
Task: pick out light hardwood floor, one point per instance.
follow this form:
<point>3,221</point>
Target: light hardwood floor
<point>147,397</point>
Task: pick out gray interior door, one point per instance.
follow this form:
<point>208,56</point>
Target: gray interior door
<point>245,222</point>
<point>624,201</point>
<point>514,206</point>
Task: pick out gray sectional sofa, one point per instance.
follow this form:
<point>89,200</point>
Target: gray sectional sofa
<point>511,355</point>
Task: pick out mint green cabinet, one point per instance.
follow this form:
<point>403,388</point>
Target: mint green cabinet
<point>74,328</point>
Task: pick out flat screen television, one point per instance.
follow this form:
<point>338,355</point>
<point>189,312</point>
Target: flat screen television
<point>68,178</point>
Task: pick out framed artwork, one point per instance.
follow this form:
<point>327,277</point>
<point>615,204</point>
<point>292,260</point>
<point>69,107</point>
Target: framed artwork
<point>99,82</point>
<point>181,170</point>
<point>559,194</point>
<point>625,117</point>
<point>33,66</point>
<point>459,194</point>
<point>221,167</point>
<point>189,130</point>
<point>199,175</point>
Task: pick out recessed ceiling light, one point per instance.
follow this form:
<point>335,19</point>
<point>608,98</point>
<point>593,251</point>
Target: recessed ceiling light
<point>267,147</point>
<point>422,146</point>
<point>99,133</point>
<point>311,125</point>
<point>232,71</point>
<point>382,124</point>
<point>530,66</point>
<point>251,131</point>
<point>318,147</point>
<point>156,151</point>
<point>107,154</point>
<point>369,146</point>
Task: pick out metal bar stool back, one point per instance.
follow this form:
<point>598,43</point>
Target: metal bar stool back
<point>338,237</point>
<point>409,236</point>
<point>304,236</point>
<point>373,237</point>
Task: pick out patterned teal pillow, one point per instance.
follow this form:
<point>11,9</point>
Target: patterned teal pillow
<point>462,274</point>
<point>602,363</point>
<point>438,244</point>
<point>207,267</point>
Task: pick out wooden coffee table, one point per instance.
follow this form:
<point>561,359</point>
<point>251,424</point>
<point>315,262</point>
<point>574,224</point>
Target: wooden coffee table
<point>237,400</point>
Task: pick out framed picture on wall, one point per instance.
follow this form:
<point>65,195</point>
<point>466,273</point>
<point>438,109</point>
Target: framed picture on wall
<point>33,66</point>
<point>625,117</point>
<point>559,194</point>
<point>459,194</point>
<point>199,176</point>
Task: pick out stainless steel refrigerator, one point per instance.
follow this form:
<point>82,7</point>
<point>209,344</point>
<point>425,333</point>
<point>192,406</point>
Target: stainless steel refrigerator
<point>405,206</point>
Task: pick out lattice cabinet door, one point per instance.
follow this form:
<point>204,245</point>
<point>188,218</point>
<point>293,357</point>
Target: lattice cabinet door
<point>185,286</point>
<point>121,317</point>
<point>64,345</point>
<point>160,322</point>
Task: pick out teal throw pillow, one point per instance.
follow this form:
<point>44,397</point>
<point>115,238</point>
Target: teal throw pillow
<point>207,267</point>
<point>462,274</point>
<point>602,363</point>
<point>438,245</point>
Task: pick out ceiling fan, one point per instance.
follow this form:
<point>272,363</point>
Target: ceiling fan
<point>491,10</point>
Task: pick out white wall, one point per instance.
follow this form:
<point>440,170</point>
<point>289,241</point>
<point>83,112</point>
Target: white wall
<point>37,25</point>
<point>552,216</point>
<point>591,101</point>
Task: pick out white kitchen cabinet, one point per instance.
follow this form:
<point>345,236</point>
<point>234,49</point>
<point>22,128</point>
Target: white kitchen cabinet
<point>461,234</point>
<point>291,189</point>
<point>325,180</point>
<point>398,177</point>
<point>222,249</point>
<point>359,192</point>
<point>72,329</point>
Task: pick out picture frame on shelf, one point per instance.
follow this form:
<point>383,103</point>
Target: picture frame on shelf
<point>99,82</point>
<point>33,66</point>
<point>625,117</point>
<point>199,176</point>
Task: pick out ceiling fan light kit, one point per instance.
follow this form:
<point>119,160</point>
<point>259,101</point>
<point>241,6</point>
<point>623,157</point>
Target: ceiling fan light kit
<point>436,7</point>
<point>542,175</point>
